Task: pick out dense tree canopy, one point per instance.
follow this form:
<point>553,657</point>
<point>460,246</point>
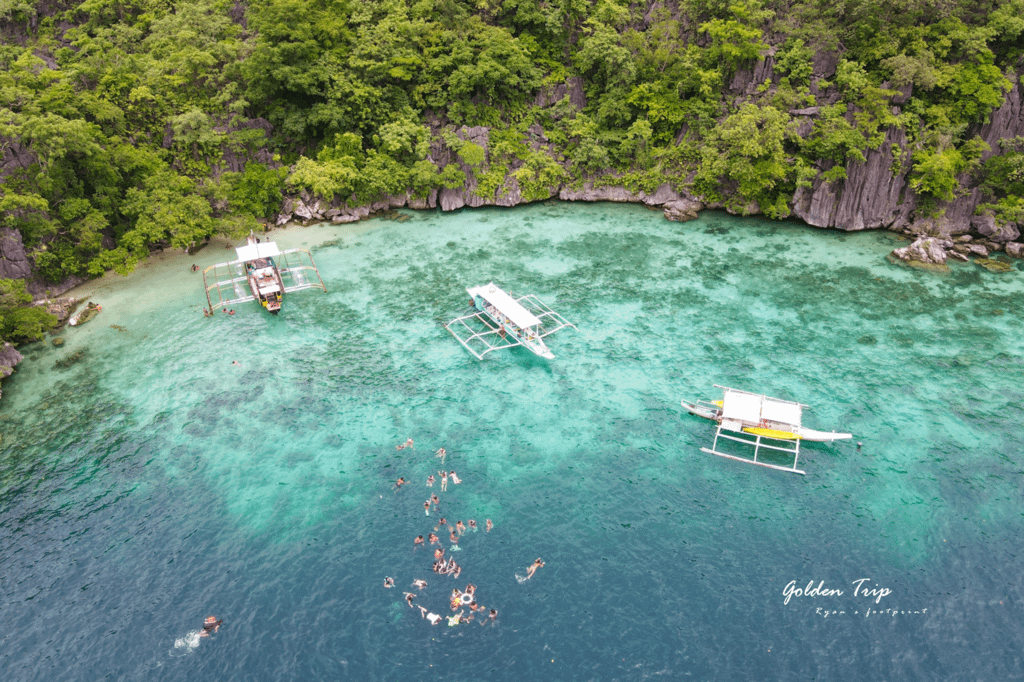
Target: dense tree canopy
<point>129,124</point>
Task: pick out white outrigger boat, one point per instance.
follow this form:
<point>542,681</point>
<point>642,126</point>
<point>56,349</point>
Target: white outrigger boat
<point>753,415</point>
<point>499,321</point>
<point>257,276</point>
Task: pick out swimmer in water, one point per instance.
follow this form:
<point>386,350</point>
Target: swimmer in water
<point>454,538</point>
<point>444,480</point>
<point>460,527</point>
<point>471,589</point>
<point>472,524</point>
<point>423,612</point>
<point>473,606</point>
<point>441,453</point>
<point>433,618</point>
<point>211,624</point>
<point>399,483</point>
<point>419,584</point>
<point>426,507</point>
<point>458,571</point>
<point>442,522</point>
<point>439,552</point>
<point>433,539</point>
<point>389,582</point>
<point>533,567</point>
<point>489,525</point>
<point>493,615</point>
<point>455,479</point>
<point>436,500</point>
<point>430,481</point>
<point>409,596</point>
<point>418,540</point>
<point>406,444</point>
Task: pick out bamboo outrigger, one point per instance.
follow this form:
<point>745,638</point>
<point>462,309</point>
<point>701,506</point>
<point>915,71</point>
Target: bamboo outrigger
<point>257,276</point>
<point>500,321</point>
<point>744,414</point>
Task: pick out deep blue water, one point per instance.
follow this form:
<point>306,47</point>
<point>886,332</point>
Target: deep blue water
<point>153,483</point>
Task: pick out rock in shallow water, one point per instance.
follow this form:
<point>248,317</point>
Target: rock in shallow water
<point>926,250</point>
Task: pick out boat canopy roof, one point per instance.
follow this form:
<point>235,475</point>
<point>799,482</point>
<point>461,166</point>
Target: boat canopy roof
<point>750,407</point>
<point>519,316</point>
<point>251,252</point>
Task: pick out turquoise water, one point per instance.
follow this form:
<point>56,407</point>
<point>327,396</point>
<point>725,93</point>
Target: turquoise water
<point>153,482</point>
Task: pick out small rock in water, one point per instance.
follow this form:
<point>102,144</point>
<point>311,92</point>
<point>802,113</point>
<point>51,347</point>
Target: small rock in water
<point>867,340</point>
<point>993,265</point>
<point>58,342</point>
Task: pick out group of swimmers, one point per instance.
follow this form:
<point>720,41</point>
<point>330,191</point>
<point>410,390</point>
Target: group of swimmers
<point>460,599</point>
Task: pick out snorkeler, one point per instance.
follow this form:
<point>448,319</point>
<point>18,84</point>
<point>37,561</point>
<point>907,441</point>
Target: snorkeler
<point>472,524</point>
<point>444,480</point>
<point>489,525</point>
<point>409,596</point>
<point>211,624</point>
<point>430,481</point>
<point>533,567</point>
<point>433,539</point>
<point>455,479</point>
<point>418,540</point>
<point>399,483</point>
<point>441,453</point>
<point>460,527</point>
<point>389,582</point>
<point>419,584</point>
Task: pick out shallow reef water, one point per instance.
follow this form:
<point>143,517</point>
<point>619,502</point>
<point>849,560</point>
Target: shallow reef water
<point>151,482</point>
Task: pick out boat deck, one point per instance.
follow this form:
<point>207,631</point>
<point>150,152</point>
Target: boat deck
<point>482,335</point>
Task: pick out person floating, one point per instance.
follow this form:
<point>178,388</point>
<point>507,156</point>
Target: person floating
<point>455,479</point>
<point>409,596</point>
<point>441,452</point>
<point>195,267</point>
<point>418,540</point>
<point>430,481</point>
<point>419,584</point>
<point>433,618</point>
<point>533,567</point>
<point>472,524</point>
<point>426,507</point>
<point>490,525</point>
<point>399,483</point>
<point>444,480</point>
<point>210,625</point>
<point>460,527</point>
<point>435,500</point>
<point>433,539</point>
<point>406,444</point>
<point>389,582</point>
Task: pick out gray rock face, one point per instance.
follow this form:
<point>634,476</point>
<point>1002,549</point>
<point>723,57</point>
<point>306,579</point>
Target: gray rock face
<point>663,195</point>
<point>606,193</point>
<point>927,250</point>
<point>422,203</point>
<point>13,262</point>
<point>681,210</point>
<point>1000,233</point>
<point>871,196</point>
<point>9,357</point>
<point>1015,249</point>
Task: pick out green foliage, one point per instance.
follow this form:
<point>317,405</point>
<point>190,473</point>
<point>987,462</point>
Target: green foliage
<point>20,322</point>
<point>935,171</point>
<point>737,40</point>
<point>257,191</point>
<point>794,61</point>
<point>746,157</point>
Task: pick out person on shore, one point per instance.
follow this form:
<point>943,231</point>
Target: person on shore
<point>533,567</point>
<point>389,582</point>
<point>210,625</point>
<point>490,525</point>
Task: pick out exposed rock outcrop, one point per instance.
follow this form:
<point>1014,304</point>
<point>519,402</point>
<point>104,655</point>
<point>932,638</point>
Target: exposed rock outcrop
<point>926,251</point>
<point>998,232</point>
<point>13,261</point>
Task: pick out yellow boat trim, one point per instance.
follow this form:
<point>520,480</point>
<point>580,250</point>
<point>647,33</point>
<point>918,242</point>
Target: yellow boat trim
<point>772,433</point>
<point>717,402</point>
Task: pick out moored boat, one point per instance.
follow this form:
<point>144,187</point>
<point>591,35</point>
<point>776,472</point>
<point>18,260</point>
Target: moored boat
<point>90,311</point>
